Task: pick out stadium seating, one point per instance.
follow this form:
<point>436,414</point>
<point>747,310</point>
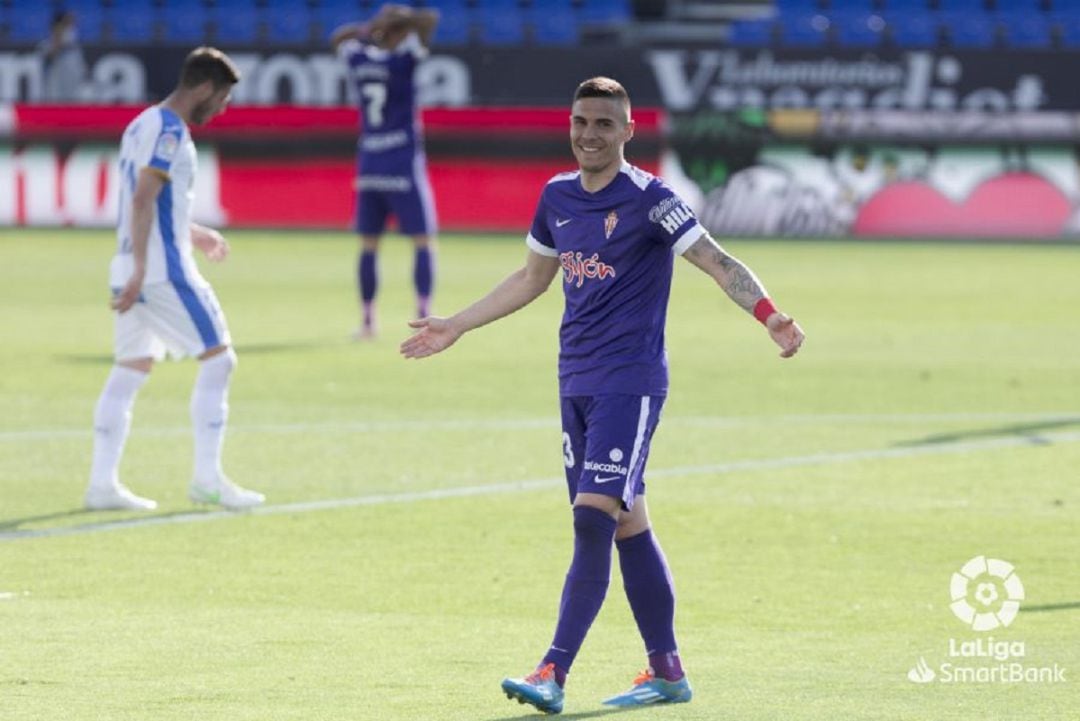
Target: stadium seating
<point>803,31</point>
<point>553,24</point>
<point>235,22</point>
<point>29,24</point>
<point>1029,31</point>
<point>751,33</point>
<point>289,22</point>
<point>969,30</point>
<point>455,24</point>
<point>857,30</point>
<point>131,21</point>
<point>912,31</point>
<point>501,22</point>
<point>184,22</point>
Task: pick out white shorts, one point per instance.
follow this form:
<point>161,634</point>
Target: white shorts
<point>175,319</point>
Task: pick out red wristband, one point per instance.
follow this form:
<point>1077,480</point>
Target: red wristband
<point>763,309</point>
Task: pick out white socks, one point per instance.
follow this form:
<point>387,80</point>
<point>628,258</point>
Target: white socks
<point>209,411</point>
<point>112,420</point>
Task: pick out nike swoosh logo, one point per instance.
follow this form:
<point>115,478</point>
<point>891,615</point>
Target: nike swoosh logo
<point>560,223</point>
<point>609,479</point>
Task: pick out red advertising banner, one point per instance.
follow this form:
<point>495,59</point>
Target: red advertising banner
<point>292,167</point>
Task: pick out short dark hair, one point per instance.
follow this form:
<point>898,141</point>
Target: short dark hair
<point>205,63</point>
<point>601,87</point>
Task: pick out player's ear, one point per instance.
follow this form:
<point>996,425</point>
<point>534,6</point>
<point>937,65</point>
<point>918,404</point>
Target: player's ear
<point>629,129</point>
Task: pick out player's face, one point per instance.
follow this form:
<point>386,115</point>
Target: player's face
<point>599,128</point>
<point>212,106</point>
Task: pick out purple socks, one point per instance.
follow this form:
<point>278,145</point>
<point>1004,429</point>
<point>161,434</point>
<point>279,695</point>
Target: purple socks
<point>585,588</point>
<point>651,593</point>
<point>424,280</point>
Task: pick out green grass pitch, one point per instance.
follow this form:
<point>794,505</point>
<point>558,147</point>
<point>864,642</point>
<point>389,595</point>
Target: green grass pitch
<point>417,528</point>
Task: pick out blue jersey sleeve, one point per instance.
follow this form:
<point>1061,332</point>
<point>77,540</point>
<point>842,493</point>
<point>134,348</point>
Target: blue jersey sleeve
<point>539,239</point>
<point>167,142</point>
<point>670,219</point>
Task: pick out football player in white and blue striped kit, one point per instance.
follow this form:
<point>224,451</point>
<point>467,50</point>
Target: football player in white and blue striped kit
<point>613,231</point>
<point>163,304</point>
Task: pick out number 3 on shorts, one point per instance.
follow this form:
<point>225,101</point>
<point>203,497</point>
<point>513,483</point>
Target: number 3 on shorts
<point>568,450</point>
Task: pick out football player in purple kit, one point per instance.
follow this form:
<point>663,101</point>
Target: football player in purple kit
<point>614,231</point>
<point>392,178</point>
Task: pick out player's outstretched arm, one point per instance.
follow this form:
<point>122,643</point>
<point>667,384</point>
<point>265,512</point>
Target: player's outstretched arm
<point>743,287</point>
<point>518,290</point>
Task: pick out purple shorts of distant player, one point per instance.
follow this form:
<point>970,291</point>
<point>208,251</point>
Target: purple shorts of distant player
<point>606,443</point>
<point>394,183</point>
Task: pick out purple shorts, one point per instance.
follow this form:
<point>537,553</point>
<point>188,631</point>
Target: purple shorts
<point>394,183</point>
<point>606,443</point>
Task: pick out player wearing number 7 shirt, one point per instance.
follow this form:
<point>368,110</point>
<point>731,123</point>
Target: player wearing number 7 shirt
<point>392,178</point>
<point>614,231</point>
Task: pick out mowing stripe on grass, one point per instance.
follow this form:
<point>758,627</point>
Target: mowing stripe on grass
<point>815,459</point>
<point>52,434</point>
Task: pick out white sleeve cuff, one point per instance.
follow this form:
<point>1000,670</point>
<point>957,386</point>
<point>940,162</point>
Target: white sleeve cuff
<point>688,238</point>
<point>537,247</point>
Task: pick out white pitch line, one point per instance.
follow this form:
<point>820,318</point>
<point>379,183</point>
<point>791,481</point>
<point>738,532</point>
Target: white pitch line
<point>479,424</point>
<point>531,485</point>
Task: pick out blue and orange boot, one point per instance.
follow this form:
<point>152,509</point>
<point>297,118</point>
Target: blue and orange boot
<point>539,688</point>
<point>649,689</point>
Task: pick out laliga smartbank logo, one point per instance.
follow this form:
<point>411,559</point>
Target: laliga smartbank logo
<point>986,595</point>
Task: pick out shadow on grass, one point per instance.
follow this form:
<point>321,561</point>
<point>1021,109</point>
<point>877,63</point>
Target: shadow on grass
<point>598,713</point>
<point>242,349</point>
<point>1030,431</point>
<point>1068,606</point>
<point>10,531</point>
<point>11,523</point>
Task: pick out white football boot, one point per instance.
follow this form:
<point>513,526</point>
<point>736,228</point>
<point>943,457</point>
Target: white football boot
<point>116,497</point>
<point>223,492</point>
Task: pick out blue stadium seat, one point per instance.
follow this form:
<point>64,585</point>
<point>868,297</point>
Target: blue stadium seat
<point>751,33</point>
<point>1018,6</point>
<point>236,22</point>
<point>803,31</point>
<point>89,19</point>
<point>857,30</point>
<point>905,6</point>
<point>184,22</point>
<point>1028,31</point>
<point>798,7</point>
<point>554,23</point>
<point>455,23</point>
<point>331,14</point>
<point>912,31</point>
<point>501,22</point>
<point>29,24</point>
<point>969,30</point>
<point>1068,30</point>
<point>605,12</point>
<point>1065,6</point>
<point>132,21</point>
<point>962,6</point>
<point>288,22</point>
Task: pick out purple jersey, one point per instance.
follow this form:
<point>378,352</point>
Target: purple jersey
<point>617,249</point>
<point>385,88</point>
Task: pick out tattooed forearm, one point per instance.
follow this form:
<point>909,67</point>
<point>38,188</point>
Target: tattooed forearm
<point>738,281</point>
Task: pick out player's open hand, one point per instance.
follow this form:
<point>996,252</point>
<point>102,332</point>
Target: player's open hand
<point>786,333</point>
<point>210,242</point>
<point>433,335</point>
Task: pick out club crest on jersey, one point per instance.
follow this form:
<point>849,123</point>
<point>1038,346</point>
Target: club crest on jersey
<point>610,222</point>
<point>576,269</point>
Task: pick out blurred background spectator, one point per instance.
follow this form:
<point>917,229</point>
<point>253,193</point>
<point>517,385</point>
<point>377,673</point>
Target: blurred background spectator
<point>64,67</point>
